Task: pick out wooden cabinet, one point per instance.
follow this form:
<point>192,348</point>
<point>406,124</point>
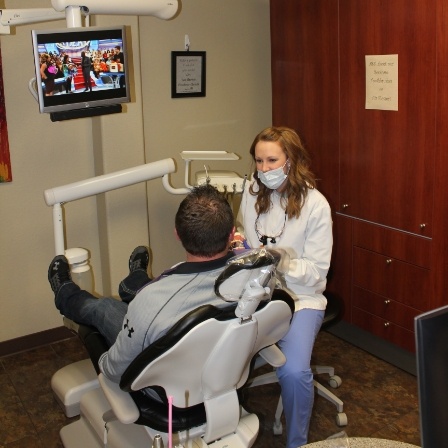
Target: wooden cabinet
<point>390,283</point>
<point>384,329</point>
<point>385,173</point>
<point>391,278</point>
<point>387,157</point>
<point>305,79</point>
<point>389,310</point>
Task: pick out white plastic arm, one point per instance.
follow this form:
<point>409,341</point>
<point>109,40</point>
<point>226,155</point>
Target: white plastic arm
<point>71,11</point>
<point>107,182</point>
<point>34,15</point>
<point>100,184</point>
<point>170,189</point>
<point>273,356</point>
<point>13,17</point>
<point>58,226</point>
<point>121,402</point>
<point>162,9</point>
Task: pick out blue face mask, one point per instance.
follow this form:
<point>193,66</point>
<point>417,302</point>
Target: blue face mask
<point>273,178</point>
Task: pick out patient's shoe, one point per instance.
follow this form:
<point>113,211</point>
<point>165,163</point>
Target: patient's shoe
<point>139,259</point>
<point>138,274</point>
<point>59,273</point>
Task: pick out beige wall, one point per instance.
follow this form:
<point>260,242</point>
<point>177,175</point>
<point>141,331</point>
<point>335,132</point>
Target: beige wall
<point>154,126</point>
<point>235,35</point>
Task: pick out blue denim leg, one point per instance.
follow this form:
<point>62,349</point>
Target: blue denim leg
<point>296,377</point>
<point>105,314</point>
<point>129,287</point>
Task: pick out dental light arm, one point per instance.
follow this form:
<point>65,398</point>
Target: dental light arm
<point>108,182</point>
<point>57,196</point>
<point>162,9</point>
<point>23,16</point>
<point>69,10</point>
<point>13,17</point>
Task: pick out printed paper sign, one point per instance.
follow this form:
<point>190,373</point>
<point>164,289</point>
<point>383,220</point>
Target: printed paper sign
<point>382,82</point>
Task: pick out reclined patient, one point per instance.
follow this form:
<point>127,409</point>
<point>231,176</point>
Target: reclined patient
<point>149,308</point>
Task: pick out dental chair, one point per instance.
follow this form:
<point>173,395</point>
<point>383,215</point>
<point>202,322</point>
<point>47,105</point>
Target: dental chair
<point>184,387</point>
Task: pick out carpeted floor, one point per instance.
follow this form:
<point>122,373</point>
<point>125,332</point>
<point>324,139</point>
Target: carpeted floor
<point>380,400</point>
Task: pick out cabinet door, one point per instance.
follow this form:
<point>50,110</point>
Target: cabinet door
<point>387,157</point>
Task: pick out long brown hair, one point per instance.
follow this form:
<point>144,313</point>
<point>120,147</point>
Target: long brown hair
<point>300,178</point>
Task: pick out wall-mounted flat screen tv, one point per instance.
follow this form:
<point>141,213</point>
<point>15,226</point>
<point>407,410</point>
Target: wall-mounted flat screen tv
<point>81,68</point>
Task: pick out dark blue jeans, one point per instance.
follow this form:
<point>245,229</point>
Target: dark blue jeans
<point>106,314</point>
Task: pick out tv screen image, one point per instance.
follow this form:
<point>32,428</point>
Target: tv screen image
<point>80,68</point>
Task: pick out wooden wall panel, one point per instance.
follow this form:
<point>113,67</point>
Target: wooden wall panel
<point>305,81</point>
<point>387,157</point>
<point>339,279</point>
<point>438,293</point>
<point>389,167</point>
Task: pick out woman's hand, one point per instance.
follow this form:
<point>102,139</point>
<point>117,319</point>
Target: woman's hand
<point>239,242</point>
<point>283,264</point>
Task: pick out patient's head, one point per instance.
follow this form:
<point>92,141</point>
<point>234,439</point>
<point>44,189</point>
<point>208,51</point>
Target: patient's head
<point>204,222</point>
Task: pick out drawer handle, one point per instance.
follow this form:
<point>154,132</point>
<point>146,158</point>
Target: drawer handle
<point>345,205</point>
<point>422,226</point>
<point>389,261</point>
<point>386,302</point>
<point>386,324</point>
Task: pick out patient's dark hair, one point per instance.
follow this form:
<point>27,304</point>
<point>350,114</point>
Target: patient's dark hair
<point>204,221</point>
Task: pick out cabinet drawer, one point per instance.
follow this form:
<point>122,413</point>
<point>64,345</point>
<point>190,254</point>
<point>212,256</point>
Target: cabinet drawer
<point>387,309</point>
<point>391,278</point>
<point>400,245</point>
<point>384,329</point>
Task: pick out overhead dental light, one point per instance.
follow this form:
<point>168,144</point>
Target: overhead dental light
<point>162,9</point>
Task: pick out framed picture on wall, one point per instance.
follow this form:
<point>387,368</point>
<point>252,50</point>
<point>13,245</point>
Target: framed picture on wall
<point>187,74</point>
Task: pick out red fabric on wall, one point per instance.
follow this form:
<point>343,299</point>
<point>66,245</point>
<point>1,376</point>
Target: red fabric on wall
<point>5,161</point>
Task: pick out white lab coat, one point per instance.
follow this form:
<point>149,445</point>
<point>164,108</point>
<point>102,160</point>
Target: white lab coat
<point>308,241</point>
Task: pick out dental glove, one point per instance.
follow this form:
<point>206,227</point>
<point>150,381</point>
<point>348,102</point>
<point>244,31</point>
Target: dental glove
<point>239,242</point>
<point>283,264</point>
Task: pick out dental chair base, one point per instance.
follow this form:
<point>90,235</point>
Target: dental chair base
<point>91,431</point>
<point>71,382</point>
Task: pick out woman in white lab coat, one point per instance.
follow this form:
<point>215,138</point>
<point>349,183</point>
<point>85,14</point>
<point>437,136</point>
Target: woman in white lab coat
<point>281,209</point>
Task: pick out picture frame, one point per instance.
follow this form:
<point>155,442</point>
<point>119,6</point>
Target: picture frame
<point>188,72</point>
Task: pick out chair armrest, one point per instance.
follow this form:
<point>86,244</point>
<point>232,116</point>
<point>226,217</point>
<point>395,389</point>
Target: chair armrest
<point>121,402</point>
<point>273,355</point>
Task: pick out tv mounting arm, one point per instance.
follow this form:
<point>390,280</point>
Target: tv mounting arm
<point>162,9</point>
